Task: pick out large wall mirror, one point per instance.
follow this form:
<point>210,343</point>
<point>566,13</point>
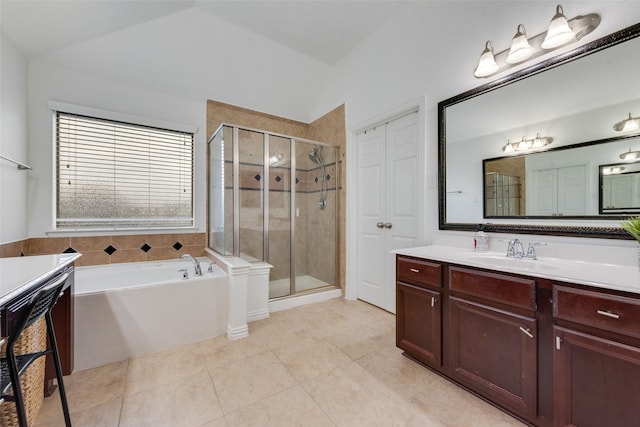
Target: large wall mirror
<point>537,152</point>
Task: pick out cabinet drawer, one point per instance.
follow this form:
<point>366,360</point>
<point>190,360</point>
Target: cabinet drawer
<point>603,311</point>
<point>418,272</point>
<point>497,287</point>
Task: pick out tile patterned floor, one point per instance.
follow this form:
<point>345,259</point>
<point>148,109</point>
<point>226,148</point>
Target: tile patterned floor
<point>329,364</point>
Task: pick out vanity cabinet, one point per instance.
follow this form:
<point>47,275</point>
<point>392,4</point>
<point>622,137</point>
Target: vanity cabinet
<point>493,337</point>
<point>596,361</point>
<point>549,352</point>
<point>419,309</point>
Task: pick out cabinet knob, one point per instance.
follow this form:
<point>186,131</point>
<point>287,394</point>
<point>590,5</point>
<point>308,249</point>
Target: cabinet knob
<point>380,225</point>
<point>388,225</point>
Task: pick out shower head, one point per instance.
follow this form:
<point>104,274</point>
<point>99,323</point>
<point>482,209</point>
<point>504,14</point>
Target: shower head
<point>315,156</point>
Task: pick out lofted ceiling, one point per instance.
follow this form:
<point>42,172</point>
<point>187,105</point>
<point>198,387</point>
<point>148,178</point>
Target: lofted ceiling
<point>325,30</point>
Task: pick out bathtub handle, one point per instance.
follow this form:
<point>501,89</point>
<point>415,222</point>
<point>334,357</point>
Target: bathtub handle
<point>185,273</point>
<point>210,269</point>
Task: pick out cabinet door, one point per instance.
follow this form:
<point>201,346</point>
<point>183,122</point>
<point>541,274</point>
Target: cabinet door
<point>418,322</point>
<point>494,353</point>
<point>596,382</point>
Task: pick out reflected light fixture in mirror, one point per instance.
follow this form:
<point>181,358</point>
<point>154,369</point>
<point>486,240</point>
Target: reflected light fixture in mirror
<point>612,170</point>
<point>559,32</point>
<point>527,144</point>
<point>629,124</point>
<point>487,64</point>
<point>630,155</point>
<point>520,47</point>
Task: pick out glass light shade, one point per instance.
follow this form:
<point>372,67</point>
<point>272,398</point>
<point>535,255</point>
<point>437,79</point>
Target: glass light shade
<point>537,142</point>
<point>559,32</point>
<point>520,47</point>
<point>523,145</point>
<point>630,155</point>
<point>629,124</point>
<point>508,148</point>
<point>487,64</point>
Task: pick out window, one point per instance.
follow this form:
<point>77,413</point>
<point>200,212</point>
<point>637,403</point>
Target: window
<point>111,174</point>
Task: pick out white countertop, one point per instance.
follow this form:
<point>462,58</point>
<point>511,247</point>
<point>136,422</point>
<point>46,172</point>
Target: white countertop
<point>20,273</point>
<point>609,276</point>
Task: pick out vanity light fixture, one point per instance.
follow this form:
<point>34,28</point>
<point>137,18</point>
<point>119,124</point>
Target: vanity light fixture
<point>559,33</point>
<point>527,144</point>
<point>487,64</point>
<point>629,124</point>
<point>613,170</point>
<point>630,155</point>
<point>520,47</point>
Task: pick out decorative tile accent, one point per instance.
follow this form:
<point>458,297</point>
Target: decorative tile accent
<point>328,177</point>
<point>297,180</point>
<point>278,179</point>
<point>177,246</point>
<point>258,177</point>
<point>110,250</point>
<point>316,180</point>
<point>145,248</point>
<point>69,250</point>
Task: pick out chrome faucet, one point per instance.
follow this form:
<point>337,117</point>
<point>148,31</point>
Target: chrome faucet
<point>531,250</point>
<point>515,249</point>
<point>196,263</point>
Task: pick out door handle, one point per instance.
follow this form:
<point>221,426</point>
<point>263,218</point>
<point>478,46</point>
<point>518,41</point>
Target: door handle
<point>388,225</point>
<point>380,225</point>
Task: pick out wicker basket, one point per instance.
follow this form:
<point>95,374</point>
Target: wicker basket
<point>33,339</point>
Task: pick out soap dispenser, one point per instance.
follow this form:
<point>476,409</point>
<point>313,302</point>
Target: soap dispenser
<point>481,241</point>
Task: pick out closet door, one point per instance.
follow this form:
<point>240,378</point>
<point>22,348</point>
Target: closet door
<point>388,204</point>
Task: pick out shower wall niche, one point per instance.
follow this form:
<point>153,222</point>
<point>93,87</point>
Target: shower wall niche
<point>273,198</point>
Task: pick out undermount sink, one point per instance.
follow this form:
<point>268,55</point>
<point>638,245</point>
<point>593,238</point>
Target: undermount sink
<point>526,264</point>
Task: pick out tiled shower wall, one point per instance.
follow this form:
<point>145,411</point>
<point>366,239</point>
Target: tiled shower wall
<point>98,250</point>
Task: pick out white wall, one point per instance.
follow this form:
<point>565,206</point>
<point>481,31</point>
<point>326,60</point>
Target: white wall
<point>13,142</point>
<point>164,69</point>
<point>403,60</point>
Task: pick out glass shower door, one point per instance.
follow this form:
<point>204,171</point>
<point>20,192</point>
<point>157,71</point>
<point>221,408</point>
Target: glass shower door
<point>279,216</point>
<point>315,221</point>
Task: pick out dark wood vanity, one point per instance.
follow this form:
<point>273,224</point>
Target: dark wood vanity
<point>20,279</point>
<point>551,353</point>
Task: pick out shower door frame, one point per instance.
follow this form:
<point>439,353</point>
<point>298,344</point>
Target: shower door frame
<point>265,198</point>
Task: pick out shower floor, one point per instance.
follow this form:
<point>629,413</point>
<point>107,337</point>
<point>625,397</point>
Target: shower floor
<point>280,288</point>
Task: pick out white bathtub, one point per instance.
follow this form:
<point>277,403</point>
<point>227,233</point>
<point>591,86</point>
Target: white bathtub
<point>131,309</point>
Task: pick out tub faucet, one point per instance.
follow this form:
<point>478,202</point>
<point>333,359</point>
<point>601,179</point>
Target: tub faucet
<point>196,263</point>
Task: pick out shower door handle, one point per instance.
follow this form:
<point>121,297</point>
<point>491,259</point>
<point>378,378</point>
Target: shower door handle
<point>380,225</point>
<point>388,225</point>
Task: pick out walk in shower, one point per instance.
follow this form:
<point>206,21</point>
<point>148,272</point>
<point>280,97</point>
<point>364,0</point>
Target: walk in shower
<point>273,198</point>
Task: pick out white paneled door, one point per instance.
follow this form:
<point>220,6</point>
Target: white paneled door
<point>388,204</point>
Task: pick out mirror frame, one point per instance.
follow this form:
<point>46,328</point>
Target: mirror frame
<point>524,228</point>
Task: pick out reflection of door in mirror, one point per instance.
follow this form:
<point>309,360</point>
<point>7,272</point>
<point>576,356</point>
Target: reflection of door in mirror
<point>620,188</point>
<point>557,191</point>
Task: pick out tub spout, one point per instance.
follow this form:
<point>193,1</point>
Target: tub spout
<point>196,263</point>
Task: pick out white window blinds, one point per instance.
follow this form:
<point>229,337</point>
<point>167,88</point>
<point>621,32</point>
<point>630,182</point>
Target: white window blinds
<point>119,175</point>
